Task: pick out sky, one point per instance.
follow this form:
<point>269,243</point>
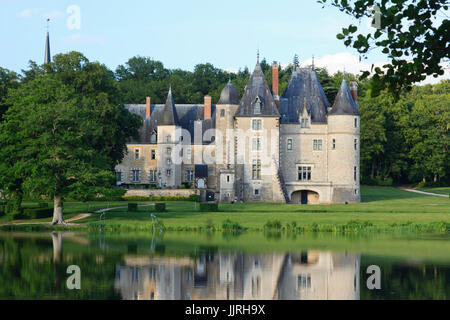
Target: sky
<point>180,33</point>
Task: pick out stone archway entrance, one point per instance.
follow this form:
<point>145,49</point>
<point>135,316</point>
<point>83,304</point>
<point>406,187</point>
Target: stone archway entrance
<point>305,197</point>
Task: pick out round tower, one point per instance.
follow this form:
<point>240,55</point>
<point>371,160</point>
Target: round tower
<point>344,146</point>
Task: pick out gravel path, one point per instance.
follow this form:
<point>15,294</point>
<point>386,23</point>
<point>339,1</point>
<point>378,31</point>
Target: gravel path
<point>427,193</point>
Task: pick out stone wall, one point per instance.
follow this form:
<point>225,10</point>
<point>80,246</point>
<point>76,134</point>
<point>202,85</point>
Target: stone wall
<point>161,193</point>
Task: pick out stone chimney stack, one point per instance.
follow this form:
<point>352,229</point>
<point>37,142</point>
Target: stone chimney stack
<point>147,109</point>
<point>275,83</point>
<point>354,90</point>
<point>208,107</point>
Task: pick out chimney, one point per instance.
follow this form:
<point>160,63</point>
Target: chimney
<point>147,109</point>
<point>354,90</point>
<point>208,107</point>
<point>275,83</point>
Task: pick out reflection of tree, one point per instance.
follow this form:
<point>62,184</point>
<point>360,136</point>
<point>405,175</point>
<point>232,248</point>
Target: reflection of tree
<point>406,282</point>
<point>35,268</point>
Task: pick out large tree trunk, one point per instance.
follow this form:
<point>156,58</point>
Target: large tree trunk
<point>58,211</point>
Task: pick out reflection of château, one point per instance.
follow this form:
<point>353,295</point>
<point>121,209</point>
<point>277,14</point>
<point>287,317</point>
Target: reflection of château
<point>312,275</point>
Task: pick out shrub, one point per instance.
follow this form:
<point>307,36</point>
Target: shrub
<point>43,205</point>
<point>2,210</point>
<point>229,225</point>
<point>194,198</point>
<point>273,224</point>
<point>160,207</point>
<point>132,207</point>
<point>209,207</point>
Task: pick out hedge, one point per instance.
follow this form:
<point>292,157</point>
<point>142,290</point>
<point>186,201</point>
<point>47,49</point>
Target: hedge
<point>209,207</point>
<point>160,207</point>
<point>2,209</point>
<point>37,213</point>
<point>192,197</point>
<point>132,207</point>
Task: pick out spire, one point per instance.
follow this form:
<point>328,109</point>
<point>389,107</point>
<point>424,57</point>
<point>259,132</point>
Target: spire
<point>47,58</point>
<point>313,67</point>
<point>169,116</point>
<point>257,57</point>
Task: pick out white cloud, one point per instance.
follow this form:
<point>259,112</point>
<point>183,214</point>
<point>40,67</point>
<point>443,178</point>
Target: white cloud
<point>27,13</point>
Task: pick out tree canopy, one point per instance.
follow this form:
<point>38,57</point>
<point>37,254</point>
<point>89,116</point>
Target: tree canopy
<point>413,34</point>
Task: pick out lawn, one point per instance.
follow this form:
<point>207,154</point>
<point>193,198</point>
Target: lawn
<point>381,207</point>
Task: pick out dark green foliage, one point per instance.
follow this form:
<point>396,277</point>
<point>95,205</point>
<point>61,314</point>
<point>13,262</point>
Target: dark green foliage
<point>194,198</point>
<point>273,225</point>
<point>160,207</point>
<point>43,205</point>
<point>38,213</point>
<point>153,199</point>
<point>413,35</point>
<point>132,207</point>
<point>209,207</point>
<point>230,226</point>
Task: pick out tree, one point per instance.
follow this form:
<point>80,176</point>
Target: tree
<point>411,33</point>
<point>64,133</point>
<point>8,80</point>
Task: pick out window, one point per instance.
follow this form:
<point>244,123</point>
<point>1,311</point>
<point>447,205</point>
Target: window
<point>153,138</point>
<point>135,175</point>
<point>303,281</point>
<point>356,144</point>
<point>168,139</point>
<point>169,173</point>
<point>228,179</point>
<point>257,125</point>
<point>189,175</point>
<point>289,144</point>
<point>356,122</point>
<point>256,170</point>
<point>256,192</point>
<point>257,106</point>
<point>355,173</point>
<point>153,154</point>
<point>136,154</point>
<point>119,176</point>
<point>304,173</point>
<point>256,286</point>
<point>189,154</point>
<point>169,151</point>
<point>334,144</point>
<point>305,123</point>
<point>256,146</point>
<point>169,161</point>
<point>152,176</point>
<point>317,145</point>
<point>222,113</point>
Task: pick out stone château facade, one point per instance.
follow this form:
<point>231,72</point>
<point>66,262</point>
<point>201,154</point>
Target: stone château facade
<point>297,148</point>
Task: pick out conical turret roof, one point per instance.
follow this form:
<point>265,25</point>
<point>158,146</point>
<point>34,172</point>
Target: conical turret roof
<point>47,58</point>
<point>169,116</point>
<point>229,95</point>
<point>344,103</point>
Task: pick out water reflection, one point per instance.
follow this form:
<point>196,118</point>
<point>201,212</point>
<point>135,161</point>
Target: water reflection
<point>191,267</point>
<point>310,275</point>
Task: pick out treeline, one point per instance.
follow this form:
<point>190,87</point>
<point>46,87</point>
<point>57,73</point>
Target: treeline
<point>404,138</point>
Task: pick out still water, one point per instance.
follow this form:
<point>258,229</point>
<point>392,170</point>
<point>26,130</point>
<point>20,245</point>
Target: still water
<point>184,266</point>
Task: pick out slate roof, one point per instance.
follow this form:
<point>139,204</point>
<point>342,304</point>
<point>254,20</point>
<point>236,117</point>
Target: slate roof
<point>187,115</point>
<point>304,89</point>
<point>344,103</point>
<point>169,115</point>
<point>229,95</point>
<point>257,87</point>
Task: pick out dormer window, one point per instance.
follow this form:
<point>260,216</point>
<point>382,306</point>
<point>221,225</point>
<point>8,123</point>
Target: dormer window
<point>153,138</point>
<point>305,123</point>
<point>257,106</point>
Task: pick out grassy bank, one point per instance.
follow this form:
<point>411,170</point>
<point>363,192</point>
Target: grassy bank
<point>383,209</point>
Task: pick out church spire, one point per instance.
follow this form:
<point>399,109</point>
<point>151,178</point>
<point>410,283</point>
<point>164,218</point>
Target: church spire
<point>47,58</point>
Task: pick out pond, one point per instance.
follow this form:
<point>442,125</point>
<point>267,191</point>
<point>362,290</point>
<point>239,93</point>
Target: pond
<point>220,266</point>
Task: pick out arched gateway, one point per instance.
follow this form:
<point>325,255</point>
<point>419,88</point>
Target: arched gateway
<point>305,197</point>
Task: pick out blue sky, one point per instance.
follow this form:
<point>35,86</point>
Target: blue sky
<point>179,33</point>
